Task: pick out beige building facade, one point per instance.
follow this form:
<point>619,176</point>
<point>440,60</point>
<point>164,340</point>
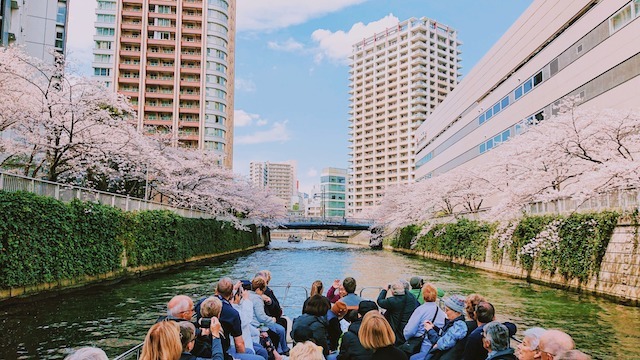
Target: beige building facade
<point>583,48</point>
<point>279,177</point>
<point>174,59</point>
<point>397,78</point>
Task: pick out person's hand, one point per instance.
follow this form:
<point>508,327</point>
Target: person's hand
<point>274,319</point>
<point>336,283</point>
<point>215,327</point>
<point>267,300</point>
<point>428,325</point>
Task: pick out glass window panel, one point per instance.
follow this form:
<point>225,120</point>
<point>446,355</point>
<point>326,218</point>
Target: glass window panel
<point>528,86</point>
<point>497,139</point>
<point>481,119</point>
<point>505,135</point>
<point>537,79</point>
<point>488,114</point>
<point>489,144</point>
<point>483,148</point>
<point>518,93</point>
<point>505,102</point>
<point>496,108</point>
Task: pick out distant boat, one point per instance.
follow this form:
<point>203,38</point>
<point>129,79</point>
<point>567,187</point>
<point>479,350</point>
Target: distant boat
<point>293,239</point>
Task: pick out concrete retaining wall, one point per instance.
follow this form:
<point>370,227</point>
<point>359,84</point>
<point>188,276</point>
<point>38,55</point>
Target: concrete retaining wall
<point>619,277</point>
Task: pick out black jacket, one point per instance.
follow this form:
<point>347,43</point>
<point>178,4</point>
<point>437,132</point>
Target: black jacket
<point>310,327</point>
<point>351,348</point>
<point>389,353</point>
<point>399,310</point>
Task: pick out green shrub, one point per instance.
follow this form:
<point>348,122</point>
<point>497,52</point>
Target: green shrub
<point>405,236</point>
<point>464,239</point>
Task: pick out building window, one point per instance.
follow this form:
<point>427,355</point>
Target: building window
<point>163,22</point>
<point>107,19</point>
<point>61,16</point>
<point>621,18</point>
<point>101,58</point>
<point>106,5</point>
<point>103,45</point>
<point>163,9</point>
<point>59,39</point>
<point>101,72</point>
<point>101,31</point>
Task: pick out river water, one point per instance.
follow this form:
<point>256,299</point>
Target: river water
<point>115,317</point>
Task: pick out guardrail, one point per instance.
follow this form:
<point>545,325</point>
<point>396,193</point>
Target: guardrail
<point>66,193</point>
<point>133,353</point>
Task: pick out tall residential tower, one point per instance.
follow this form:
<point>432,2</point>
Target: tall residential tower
<point>398,76</point>
<point>174,59</point>
<point>279,177</point>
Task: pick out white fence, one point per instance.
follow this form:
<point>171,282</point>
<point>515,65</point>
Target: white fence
<point>624,200</point>
<point>66,193</point>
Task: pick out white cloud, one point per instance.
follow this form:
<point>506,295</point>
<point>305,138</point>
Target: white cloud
<point>245,85</point>
<point>242,118</point>
<point>262,122</point>
<point>263,15</point>
<point>290,45</point>
<point>312,173</point>
<point>337,46</point>
<point>277,133</point>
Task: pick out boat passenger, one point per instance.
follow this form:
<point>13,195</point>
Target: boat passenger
<point>334,315</point>
<point>474,349</point>
<point>312,324</point>
<point>452,338</point>
<point>399,307</point>
<point>429,311</point>
<point>495,340</point>
<point>416,288</point>
<point>336,291</point>
<point>351,348</point>
<point>162,342</point>
<point>350,298</point>
<point>258,284</point>
<point>188,339</point>
<point>88,353</point>
<point>470,305</point>
<point>306,350</point>
<point>376,334</point>
<point>554,342</point>
<point>528,349</point>
<point>271,304</point>
<point>316,289</point>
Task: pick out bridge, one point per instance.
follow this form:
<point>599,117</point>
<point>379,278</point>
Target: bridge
<point>326,223</point>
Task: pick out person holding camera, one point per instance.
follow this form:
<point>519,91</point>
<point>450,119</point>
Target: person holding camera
<point>250,334</point>
<point>414,331</point>
<point>188,340</point>
<point>399,307</point>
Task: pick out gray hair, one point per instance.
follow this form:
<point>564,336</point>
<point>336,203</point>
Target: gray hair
<point>534,335</point>
<point>497,335</point>
<point>180,304</point>
<point>88,353</point>
<point>397,287</point>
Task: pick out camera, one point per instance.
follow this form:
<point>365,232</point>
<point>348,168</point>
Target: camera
<point>204,323</point>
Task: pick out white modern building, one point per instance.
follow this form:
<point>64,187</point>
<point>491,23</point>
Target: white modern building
<point>584,48</point>
<point>40,26</point>
<point>279,177</point>
<point>175,60</point>
<point>397,78</point>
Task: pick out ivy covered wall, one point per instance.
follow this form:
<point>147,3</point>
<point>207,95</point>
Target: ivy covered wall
<point>43,240</point>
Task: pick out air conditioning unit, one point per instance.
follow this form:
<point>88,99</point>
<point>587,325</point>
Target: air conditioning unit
<point>14,4</point>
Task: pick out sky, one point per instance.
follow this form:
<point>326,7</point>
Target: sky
<point>292,80</point>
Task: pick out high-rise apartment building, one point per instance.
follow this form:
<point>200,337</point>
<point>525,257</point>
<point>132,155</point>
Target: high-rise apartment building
<point>38,25</point>
<point>397,78</point>
<point>333,185</point>
<point>174,59</point>
<point>587,49</point>
<point>279,177</point>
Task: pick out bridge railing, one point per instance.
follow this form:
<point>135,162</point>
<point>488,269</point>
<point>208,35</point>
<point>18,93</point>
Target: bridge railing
<point>329,220</point>
<point>66,193</point>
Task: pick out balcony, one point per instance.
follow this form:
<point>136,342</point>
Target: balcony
<point>128,80</point>
<point>130,39</point>
<point>192,4</point>
<point>124,66</point>
<point>192,30</point>
<point>192,17</point>
<point>189,124</point>
<point>190,83</point>
<point>157,108</point>
<point>188,136</point>
<point>132,26</point>
<point>160,68</point>
<point>129,93</point>
<point>158,122</point>
<point>124,2</point>
<point>191,56</point>
<point>189,109</point>
<point>158,95</point>
<point>162,42</point>
<point>160,55</point>
<point>190,70</point>
<point>130,53</point>
<point>186,96</point>
<point>170,16</point>
<point>191,44</point>
<point>159,81</point>
<point>132,13</point>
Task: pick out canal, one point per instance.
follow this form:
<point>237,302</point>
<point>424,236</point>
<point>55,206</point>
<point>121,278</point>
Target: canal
<point>117,316</point>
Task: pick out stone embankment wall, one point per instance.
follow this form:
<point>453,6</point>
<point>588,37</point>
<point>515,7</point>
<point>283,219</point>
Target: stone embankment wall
<point>619,277</point>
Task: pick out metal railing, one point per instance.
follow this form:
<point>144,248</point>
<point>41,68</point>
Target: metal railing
<point>625,200</point>
<point>133,353</point>
<point>328,220</point>
<point>66,193</point>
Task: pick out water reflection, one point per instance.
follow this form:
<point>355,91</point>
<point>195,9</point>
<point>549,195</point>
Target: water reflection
<point>116,317</point>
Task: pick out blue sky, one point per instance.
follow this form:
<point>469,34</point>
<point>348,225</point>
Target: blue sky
<point>292,85</point>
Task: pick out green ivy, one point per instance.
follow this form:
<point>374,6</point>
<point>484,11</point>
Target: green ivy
<point>405,236</point>
<point>44,240</point>
<point>464,239</point>
<point>527,229</point>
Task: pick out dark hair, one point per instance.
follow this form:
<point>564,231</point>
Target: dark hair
<point>349,285</point>
<point>317,305</point>
<point>485,312</point>
<point>225,287</point>
<point>258,283</point>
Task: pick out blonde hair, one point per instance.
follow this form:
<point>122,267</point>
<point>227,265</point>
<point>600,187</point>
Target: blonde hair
<point>429,293</point>
<point>306,350</point>
<point>162,342</point>
<point>266,274</point>
<point>375,331</point>
<point>316,288</point>
<point>211,307</point>
<point>470,304</point>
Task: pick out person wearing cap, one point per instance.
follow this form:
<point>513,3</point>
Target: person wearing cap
<point>451,338</point>
<point>334,315</point>
<point>351,348</point>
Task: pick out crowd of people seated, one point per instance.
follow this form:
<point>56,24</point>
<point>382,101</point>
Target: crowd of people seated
<point>409,320</point>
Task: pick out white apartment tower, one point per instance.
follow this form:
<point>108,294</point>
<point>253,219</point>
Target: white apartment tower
<point>279,177</point>
<point>38,25</point>
<point>398,76</point>
<point>175,60</point>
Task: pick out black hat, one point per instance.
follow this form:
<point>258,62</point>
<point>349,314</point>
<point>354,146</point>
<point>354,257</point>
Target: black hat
<point>365,306</point>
